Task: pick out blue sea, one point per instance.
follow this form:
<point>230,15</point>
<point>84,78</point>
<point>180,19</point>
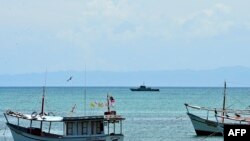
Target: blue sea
<point>150,116</point>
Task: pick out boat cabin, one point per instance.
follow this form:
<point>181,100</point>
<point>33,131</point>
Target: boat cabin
<point>96,128</point>
<point>91,125</point>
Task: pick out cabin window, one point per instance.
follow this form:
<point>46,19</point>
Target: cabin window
<point>84,128</point>
<point>92,128</point>
<point>69,128</point>
<point>79,126</point>
<point>98,127</point>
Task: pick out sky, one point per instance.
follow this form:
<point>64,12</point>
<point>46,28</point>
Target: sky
<point>123,35</point>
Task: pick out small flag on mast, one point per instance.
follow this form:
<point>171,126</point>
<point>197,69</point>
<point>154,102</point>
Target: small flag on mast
<point>112,100</point>
<point>92,104</point>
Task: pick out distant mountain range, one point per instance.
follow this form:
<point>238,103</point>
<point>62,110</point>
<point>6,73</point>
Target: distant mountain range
<point>235,77</point>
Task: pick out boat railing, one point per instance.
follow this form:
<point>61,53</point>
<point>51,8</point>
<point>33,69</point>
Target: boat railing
<point>240,119</point>
<point>245,112</point>
<point>231,119</point>
<point>209,110</point>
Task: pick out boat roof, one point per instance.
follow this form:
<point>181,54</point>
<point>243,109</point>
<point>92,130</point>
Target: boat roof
<point>37,118</point>
<point>113,117</point>
<point>101,117</point>
<point>63,119</point>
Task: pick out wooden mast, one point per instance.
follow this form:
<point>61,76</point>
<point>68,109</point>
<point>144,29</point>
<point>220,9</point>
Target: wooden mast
<point>224,102</point>
<point>42,110</point>
<point>44,90</point>
<point>108,103</point>
<point>85,96</point>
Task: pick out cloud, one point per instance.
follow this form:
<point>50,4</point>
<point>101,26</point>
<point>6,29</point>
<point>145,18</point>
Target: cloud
<point>100,19</point>
<point>208,12</point>
<point>117,21</point>
<point>108,9</point>
<point>207,22</point>
<point>105,32</point>
<point>222,7</point>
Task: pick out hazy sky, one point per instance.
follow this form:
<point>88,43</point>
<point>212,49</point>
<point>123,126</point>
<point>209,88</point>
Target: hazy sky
<point>123,35</point>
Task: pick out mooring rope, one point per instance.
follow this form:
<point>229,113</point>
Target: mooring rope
<point>208,136</point>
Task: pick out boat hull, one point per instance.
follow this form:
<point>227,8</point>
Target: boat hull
<point>145,90</point>
<point>204,127</point>
<point>20,135</point>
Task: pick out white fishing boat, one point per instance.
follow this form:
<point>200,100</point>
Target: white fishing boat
<point>80,128</point>
<point>209,125</point>
<point>204,126</point>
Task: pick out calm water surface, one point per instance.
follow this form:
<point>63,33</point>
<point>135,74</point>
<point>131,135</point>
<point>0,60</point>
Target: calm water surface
<point>150,116</point>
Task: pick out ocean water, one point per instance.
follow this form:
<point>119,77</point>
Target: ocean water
<point>150,116</point>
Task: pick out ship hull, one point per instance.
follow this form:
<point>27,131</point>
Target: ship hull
<point>145,90</point>
<point>20,134</point>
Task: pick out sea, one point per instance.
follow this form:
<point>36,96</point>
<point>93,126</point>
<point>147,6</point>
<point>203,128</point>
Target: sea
<point>150,116</point>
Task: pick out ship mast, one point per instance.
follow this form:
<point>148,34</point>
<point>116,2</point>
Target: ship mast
<point>224,102</point>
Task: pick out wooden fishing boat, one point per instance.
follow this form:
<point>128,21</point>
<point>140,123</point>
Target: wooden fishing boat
<point>208,125</point>
<point>80,128</point>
